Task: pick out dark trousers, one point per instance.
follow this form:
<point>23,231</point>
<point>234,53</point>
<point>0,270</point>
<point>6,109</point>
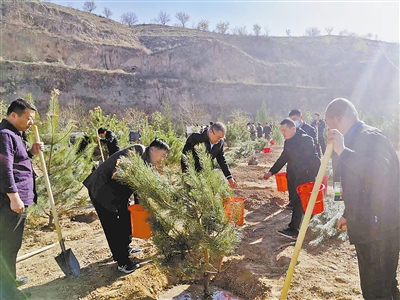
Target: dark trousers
<point>377,264</point>
<point>10,243</point>
<point>294,199</point>
<point>115,226</point>
<point>321,142</point>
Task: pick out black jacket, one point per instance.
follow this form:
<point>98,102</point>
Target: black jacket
<point>321,127</point>
<point>301,158</point>
<point>112,142</point>
<point>216,152</point>
<point>110,193</point>
<point>369,172</point>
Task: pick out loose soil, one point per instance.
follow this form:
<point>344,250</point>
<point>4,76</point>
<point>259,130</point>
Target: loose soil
<point>256,271</point>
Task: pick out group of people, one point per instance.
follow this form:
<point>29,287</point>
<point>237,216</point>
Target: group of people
<point>365,163</point>
<point>260,131</point>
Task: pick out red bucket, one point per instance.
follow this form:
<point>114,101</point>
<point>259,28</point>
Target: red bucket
<point>234,209</point>
<point>272,142</point>
<point>267,150</point>
<point>140,227</point>
<point>281,182</point>
<point>304,191</point>
<point>325,183</point>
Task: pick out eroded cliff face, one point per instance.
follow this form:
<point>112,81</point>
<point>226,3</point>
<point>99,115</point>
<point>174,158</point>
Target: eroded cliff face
<point>102,62</point>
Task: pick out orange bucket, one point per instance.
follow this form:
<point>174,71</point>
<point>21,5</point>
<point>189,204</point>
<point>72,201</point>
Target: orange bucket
<point>267,150</point>
<point>234,209</point>
<point>140,227</point>
<point>304,191</point>
<point>325,183</point>
<point>281,182</point>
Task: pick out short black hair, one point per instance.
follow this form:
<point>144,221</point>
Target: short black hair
<point>295,112</point>
<point>101,130</point>
<point>19,105</point>
<point>218,126</point>
<point>211,123</point>
<point>289,123</point>
<point>159,144</point>
<point>317,114</point>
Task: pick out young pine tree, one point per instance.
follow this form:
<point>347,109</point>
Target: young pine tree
<point>190,227</point>
<point>66,168</point>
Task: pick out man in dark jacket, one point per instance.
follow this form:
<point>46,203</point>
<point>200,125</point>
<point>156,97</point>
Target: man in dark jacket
<point>302,166</point>
<point>267,131</point>
<point>369,174</point>
<point>17,190</point>
<point>213,139</point>
<point>260,130</point>
<point>319,126</point>
<point>110,199</point>
<point>296,116</point>
<point>110,139</point>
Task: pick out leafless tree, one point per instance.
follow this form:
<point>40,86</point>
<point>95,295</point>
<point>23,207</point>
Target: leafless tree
<point>329,30</point>
<point>239,30</point>
<point>203,25</point>
<point>163,18</point>
<point>182,17</point>
<point>89,6</point>
<point>368,36</point>
<point>313,31</point>
<point>190,112</point>
<point>267,31</point>
<point>256,29</point>
<point>222,27</point>
<point>107,12</point>
<point>288,32</point>
<point>129,18</point>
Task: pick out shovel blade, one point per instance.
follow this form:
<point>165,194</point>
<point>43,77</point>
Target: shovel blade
<point>68,263</point>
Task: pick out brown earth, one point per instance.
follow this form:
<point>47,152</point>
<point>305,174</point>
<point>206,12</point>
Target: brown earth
<point>256,271</point>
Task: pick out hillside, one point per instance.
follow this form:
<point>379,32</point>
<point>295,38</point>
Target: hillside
<point>102,62</point>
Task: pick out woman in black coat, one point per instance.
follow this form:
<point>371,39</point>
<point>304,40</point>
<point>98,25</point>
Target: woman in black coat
<point>110,199</point>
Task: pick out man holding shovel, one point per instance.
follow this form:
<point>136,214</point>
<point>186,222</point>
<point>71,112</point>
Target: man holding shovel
<point>17,190</point>
<point>368,168</point>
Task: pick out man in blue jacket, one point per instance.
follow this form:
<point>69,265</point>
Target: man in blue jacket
<point>368,168</point>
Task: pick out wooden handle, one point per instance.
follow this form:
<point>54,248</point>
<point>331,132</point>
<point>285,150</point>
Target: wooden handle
<point>306,219</point>
<point>101,150</point>
<point>49,192</point>
<point>30,254</point>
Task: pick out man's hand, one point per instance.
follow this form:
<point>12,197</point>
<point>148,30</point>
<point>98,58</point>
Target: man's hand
<point>267,175</point>
<point>334,136</point>
<point>232,183</point>
<point>342,224</point>
<point>16,203</point>
<point>36,148</point>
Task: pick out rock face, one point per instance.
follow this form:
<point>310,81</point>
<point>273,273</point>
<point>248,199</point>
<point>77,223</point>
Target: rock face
<point>102,62</point>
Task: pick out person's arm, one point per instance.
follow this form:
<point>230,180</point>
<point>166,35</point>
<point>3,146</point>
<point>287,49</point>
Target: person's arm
<point>7,180</point>
<point>279,164</point>
<point>223,164</point>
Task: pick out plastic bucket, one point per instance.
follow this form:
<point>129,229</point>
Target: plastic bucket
<point>304,191</point>
<point>281,182</point>
<point>267,150</point>
<point>325,183</point>
<point>234,209</point>
<point>140,227</point>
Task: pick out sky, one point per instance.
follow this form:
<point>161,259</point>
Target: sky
<point>379,18</point>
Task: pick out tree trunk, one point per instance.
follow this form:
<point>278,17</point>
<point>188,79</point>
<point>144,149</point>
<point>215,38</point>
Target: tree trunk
<point>207,294</point>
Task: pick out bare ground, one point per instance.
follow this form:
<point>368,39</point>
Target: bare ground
<point>256,271</point>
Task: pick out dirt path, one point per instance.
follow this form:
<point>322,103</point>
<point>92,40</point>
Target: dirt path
<point>257,271</point>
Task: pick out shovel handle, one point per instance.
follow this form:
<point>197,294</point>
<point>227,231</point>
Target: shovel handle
<point>306,219</point>
<point>49,192</point>
<point>101,149</point>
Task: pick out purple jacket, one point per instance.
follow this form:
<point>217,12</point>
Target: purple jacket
<point>16,173</point>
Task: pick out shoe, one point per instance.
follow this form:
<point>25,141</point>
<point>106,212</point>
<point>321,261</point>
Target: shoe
<point>291,234</point>
<point>132,250</point>
<point>128,268</point>
<point>21,281</point>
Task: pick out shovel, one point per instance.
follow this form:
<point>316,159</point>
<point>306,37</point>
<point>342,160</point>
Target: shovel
<point>101,149</point>
<point>66,260</point>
